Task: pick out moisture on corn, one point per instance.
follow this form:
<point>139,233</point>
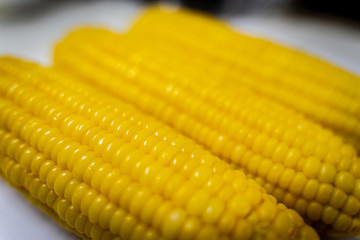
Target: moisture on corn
<point>107,171</point>
<point>304,165</point>
<point>318,89</point>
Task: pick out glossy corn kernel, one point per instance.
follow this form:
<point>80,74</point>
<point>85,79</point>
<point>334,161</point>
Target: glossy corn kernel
<point>293,157</point>
<point>328,94</point>
<point>109,172</point>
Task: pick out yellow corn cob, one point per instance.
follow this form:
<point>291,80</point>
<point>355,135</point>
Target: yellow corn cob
<point>323,92</point>
<point>302,164</point>
<point>109,172</point>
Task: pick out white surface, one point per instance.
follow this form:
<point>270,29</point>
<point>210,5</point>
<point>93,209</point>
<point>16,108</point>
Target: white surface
<point>33,37</point>
<point>19,219</point>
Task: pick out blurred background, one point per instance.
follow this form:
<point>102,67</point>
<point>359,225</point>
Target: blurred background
<point>29,28</point>
<point>327,28</point>
<point>344,8</point>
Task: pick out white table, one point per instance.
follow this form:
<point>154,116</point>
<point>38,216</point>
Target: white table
<point>34,36</point>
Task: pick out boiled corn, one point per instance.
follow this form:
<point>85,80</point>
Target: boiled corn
<point>320,90</point>
<point>303,164</point>
<point>109,172</point>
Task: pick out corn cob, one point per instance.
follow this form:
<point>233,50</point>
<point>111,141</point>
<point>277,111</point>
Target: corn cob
<point>328,94</point>
<point>109,172</point>
<point>301,163</point>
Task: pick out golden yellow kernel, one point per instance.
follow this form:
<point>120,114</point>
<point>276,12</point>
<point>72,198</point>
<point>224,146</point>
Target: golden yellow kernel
<point>310,189</point>
<point>190,229</point>
<point>311,167</point>
<point>342,222</point>
<point>214,184</point>
<point>34,186</point>
<point>139,232</point>
<point>150,172</point>
<point>298,183</point>
<point>160,214</point>
<point>355,226</point>
<point>309,148</point>
<point>81,165</point>
<point>351,206</point>
<point>150,235</point>
<point>338,198</point>
<point>329,214</point>
<point>348,151</point>
<point>78,195</point>
<point>274,173</point>
<point>286,178</point>
<point>197,201</point>
<point>269,188</point>
<point>243,230</point>
<point>270,147</point>
<point>201,174</point>
<point>267,211</point>
<point>355,168</point>
<point>321,151</point>
<point>301,206</point>
<point>118,187</point>
<point>344,164</point>
<point>314,211</point>
<point>130,159</point>
<point>292,158</point>
<point>43,193</point>
<point>289,200</point>
<point>260,142</point>
<point>280,152</point>
<point>246,158</point>
<point>213,210</point>
<point>240,182</point>
<point>128,226</point>
<point>333,156</point>
<point>297,219</point>
<point>283,223</point>
<point>308,232</point>
<point>141,164</point>
<point>207,232</point>
<point>324,193</point>
<point>27,157</point>
<point>327,173</point>
<point>278,193</point>
<point>70,216</point>
<point>91,169</point>
<point>227,222</point>
<point>300,164</point>
<point>87,200</point>
<point>345,181</point>
<point>116,220</point>
<point>106,215</point>
<point>61,207</point>
<point>173,222</point>
<point>264,168</point>
<point>238,153</point>
<point>239,205</point>
<point>96,232</point>
<point>299,141</point>
<point>45,168</point>
<point>51,198</point>
<point>254,164</point>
